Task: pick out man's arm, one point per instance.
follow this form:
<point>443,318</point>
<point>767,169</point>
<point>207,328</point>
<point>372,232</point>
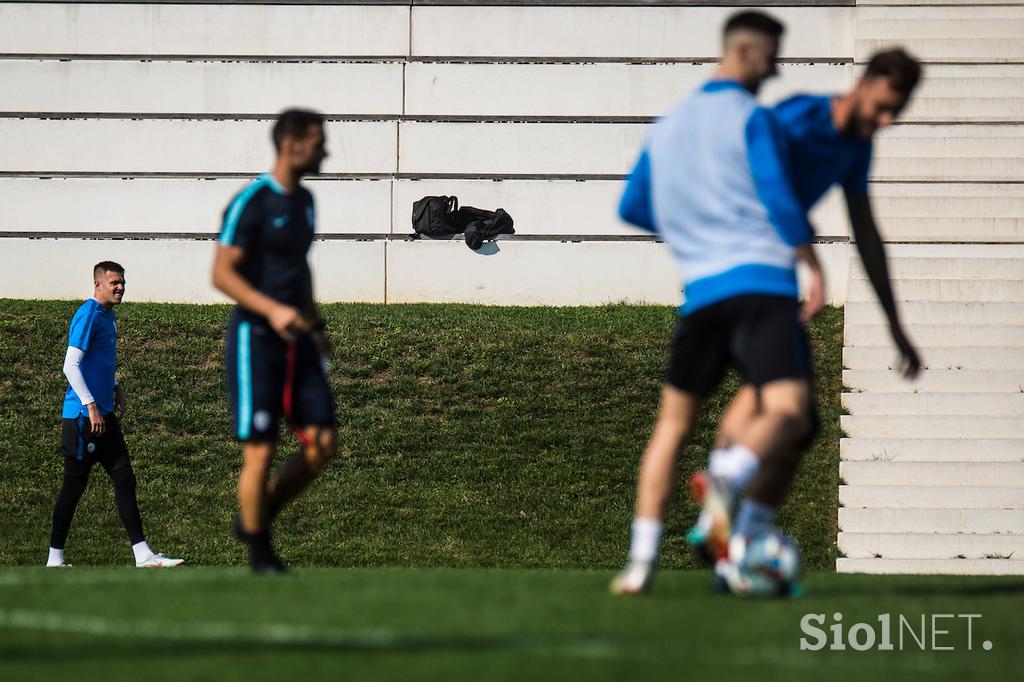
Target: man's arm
<point>285,319</point>
<point>872,255</point>
<point>73,372</point>
<point>815,299</point>
<point>771,168</point>
<point>635,206</point>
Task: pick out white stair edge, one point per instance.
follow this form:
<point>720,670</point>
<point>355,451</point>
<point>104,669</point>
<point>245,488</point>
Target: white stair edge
<point>931,450</point>
<point>930,566</point>
<point>1003,547</point>
<point>949,497</point>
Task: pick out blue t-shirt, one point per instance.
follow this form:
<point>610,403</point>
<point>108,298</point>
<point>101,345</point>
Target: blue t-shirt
<point>94,331</point>
<point>821,155</point>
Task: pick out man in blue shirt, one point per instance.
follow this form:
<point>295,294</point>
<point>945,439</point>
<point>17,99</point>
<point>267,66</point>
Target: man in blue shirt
<point>90,428</point>
<point>828,138</point>
<point>714,182</point>
<point>829,142</point>
<point>276,346</point>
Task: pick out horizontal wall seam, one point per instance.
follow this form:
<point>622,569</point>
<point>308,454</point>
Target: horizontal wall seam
<point>378,59</point>
<point>464,3</point>
<point>496,177</point>
<point>365,236</point>
<point>415,118</point>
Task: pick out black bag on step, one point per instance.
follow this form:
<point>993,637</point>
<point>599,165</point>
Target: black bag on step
<point>435,216</point>
<point>480,225</point>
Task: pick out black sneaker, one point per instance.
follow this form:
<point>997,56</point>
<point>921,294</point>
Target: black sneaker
<point>262,557</point>
<point>236,528</point>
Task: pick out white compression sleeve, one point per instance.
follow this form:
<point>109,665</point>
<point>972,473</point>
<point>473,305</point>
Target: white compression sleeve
<point>73,371</point>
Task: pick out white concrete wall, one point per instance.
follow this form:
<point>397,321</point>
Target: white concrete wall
<point>588,90</point>
<point>199,87</point>
<point>173,205</point>
<point>975,32</point>
<point>527,273</point>
<point>118,146</point>
<point>188,205</point>
<point>140,119</point>
<point>649,32</point>
<point>233,29</point>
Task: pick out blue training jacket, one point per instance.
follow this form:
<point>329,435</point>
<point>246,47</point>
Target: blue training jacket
<point>714,180</point>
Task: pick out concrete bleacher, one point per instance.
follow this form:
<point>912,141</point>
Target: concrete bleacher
<point>163,110</point>
<point>127,127</point>
<point>933,470</point>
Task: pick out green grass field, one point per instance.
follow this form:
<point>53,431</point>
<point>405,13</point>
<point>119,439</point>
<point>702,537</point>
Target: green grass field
<point>480,624</point>
<point>471,436</point>
<point>468,532</point>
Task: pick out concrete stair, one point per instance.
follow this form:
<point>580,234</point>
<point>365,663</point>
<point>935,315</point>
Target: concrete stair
<point>931,450</point>
<point>936,357</point>
<point>936,380</point>
<point>933,469</point>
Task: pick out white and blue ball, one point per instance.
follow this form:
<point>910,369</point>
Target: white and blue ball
<point>767,564</point>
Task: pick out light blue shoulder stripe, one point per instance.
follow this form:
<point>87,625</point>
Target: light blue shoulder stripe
<point>227,233</point>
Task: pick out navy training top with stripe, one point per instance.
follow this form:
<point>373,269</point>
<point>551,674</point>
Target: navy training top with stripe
<point>821,155</point>
<point>275,230</point>
<point>93,330</point>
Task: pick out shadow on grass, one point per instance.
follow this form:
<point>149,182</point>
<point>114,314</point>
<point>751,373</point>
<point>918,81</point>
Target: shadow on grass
<point>86,649</point>
<point>918,586</point>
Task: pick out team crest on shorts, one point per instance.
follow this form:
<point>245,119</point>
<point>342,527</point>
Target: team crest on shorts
<point>261,420</point>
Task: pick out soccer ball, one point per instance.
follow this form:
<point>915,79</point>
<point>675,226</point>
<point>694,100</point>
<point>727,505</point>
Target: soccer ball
<point>765,565</point>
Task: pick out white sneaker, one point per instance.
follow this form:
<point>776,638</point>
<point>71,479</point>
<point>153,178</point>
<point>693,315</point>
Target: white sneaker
<point>636,578</point>
<point>62,564</point>
<point>159,561</point>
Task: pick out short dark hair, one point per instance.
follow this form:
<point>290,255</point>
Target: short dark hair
<point>902,69</point>
<point>106,266</point>
<point>294,123</point>
<point>751,20</point>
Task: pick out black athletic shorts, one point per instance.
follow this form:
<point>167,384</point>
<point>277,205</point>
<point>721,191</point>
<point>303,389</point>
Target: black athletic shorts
<point>81,449</point>
<point>268,378</point>
<point>759,335</point>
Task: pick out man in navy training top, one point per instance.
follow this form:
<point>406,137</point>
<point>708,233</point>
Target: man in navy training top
<point>90,428</point>
<point>714,182</point>
<point>276,348</point>
<point>829,143</point>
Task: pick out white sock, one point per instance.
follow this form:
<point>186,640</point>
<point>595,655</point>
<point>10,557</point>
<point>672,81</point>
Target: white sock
<point>142,551</point>
<point>753,518</point>
<point>56,557</point>
<point>737,464</point>
<point>646,539</point>
<point>718,462</point>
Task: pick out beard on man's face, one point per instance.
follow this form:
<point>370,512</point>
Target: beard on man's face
<point>858,125</point>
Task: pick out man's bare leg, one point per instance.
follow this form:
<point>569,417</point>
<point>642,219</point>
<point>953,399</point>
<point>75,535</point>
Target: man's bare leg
<point>731,460</point>
<point>252,483</point>
<point>655,485</point>
<point>737,416</point>
<point>659,466</point>
<point>778,434</point>
<point>759,444</point>
<point>299,471</point>
<point>730,468</point>
<point>252,526</point>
